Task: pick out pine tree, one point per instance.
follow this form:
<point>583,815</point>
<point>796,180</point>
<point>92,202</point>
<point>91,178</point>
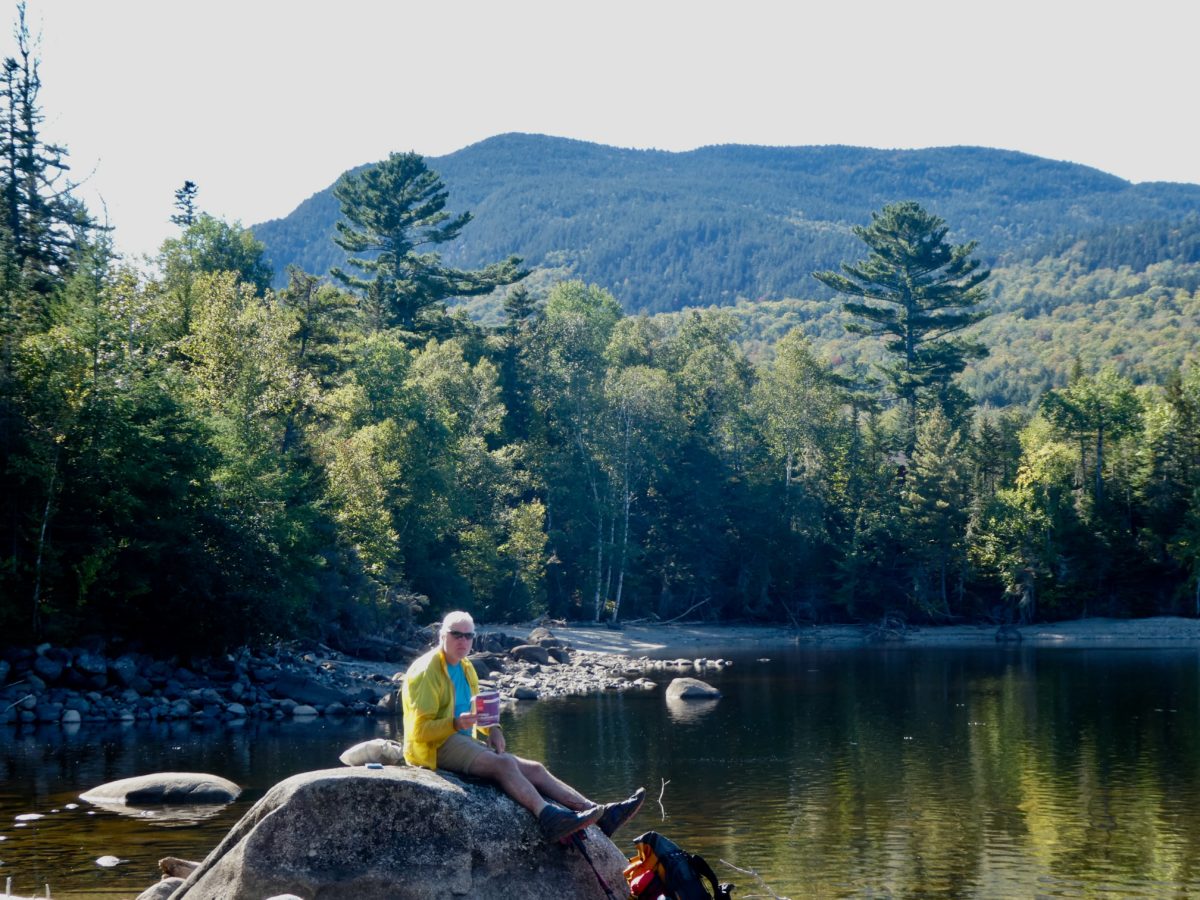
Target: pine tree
<point>43,223</point>
<point>185,202</point>
<point>394,211</point>
<point>936,504</point>
<point>924,290</point>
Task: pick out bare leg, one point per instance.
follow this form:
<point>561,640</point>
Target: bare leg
<point>550,786</point>
<point>503,769</point>
<point>528,782</point>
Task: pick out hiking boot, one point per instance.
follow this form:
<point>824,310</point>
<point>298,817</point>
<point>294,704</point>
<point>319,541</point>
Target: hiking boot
<point>558,822</point>
<point>614,815</point>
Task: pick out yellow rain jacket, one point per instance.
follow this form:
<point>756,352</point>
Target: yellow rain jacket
<point>428,698</point>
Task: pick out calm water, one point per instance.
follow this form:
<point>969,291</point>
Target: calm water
<point>831,773</point>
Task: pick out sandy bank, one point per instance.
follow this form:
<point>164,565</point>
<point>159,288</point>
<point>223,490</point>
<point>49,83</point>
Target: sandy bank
<point>694,640</point>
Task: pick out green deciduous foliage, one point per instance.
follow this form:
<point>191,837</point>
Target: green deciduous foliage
<point>1091,411</point>
<point>641,404</point>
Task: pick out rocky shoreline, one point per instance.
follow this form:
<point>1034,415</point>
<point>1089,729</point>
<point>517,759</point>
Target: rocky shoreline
<point>75,685</point>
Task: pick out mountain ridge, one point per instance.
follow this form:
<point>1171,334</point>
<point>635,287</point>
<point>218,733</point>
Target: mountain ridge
<point>667,229</point>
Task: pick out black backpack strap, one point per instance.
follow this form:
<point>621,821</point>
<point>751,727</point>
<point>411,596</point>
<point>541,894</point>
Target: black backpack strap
<point>700,865</point>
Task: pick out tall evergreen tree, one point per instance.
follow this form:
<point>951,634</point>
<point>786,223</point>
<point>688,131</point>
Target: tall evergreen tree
<point>185,203</point>
<point>917,291</point>
<point>42,220</point>
<point>392,212</point>
<point>936,504</point>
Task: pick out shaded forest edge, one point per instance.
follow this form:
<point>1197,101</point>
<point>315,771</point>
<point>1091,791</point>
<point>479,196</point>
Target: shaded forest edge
<point>191,458</point>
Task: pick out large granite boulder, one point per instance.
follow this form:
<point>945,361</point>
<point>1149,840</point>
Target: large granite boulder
<point>396,834</point>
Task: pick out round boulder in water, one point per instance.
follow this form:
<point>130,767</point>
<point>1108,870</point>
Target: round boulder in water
<point>691,689</point>
<point>165,788</point>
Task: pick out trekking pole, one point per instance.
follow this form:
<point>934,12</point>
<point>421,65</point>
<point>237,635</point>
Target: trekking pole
<point>577,839</point>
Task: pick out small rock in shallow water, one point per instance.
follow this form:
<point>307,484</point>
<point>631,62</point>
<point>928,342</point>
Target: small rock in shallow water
<point>108,862</point>
<point>691,689</point>
<point>28,817</point>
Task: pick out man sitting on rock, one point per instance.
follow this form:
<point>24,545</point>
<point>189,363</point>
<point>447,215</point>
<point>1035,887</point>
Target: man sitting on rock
<point>438,723</point>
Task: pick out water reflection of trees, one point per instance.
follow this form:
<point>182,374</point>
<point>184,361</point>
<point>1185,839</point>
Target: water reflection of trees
<point>890,773</point>
<point>1013,779</point>
<point>918,773</point>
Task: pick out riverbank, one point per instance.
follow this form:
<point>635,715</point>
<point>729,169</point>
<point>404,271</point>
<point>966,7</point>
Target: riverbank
<point>665,640</point>
<point>525,663</point>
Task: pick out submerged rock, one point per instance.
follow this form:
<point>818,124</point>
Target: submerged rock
<point>396,834</point>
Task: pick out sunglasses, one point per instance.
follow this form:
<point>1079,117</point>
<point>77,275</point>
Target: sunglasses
<point>462,635</point>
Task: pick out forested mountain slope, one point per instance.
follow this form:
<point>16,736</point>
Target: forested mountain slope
<point>666,230</point>
<point>1045,317</point>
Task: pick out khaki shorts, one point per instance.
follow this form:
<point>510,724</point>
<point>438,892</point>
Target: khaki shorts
<point>459,753</point>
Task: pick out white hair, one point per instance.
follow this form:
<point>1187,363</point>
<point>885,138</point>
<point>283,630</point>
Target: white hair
<point>457,616</point>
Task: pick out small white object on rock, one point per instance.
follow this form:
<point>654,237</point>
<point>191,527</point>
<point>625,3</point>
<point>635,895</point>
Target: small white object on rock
<point>691,689</point>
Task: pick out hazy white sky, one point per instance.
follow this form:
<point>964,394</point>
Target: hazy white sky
<point>265,102</point>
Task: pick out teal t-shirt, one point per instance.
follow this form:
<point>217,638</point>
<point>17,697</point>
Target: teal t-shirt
<point>462,693</point>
